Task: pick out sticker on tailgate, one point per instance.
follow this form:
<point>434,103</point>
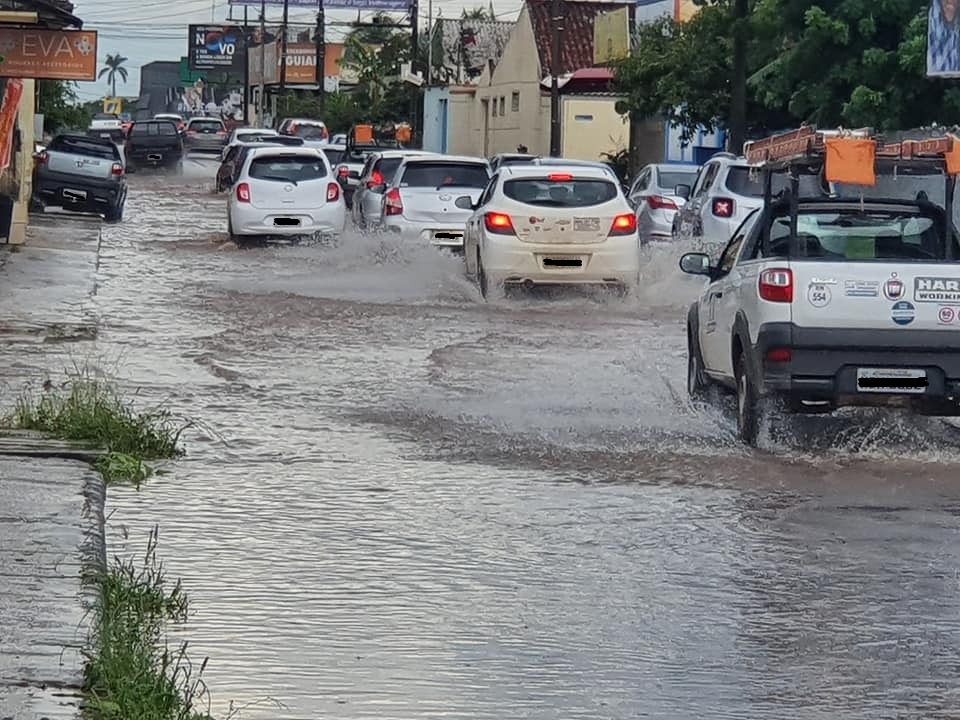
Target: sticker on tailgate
<point>936,289</point>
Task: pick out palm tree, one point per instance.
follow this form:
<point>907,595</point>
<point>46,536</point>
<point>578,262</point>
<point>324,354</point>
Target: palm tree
<point>114,67</point>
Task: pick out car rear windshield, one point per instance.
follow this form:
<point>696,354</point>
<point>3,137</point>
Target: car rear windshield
<point>162,127</point>
<point>206,125</point>
<point>79,146</point>
<point>439,174</point>
<point>566,193</point>
<point>870,234</point>
<point>669,179</point>
<point>252,136</point>
<point>334,155</point>
<point>288,168</point>
<point>308,132</point>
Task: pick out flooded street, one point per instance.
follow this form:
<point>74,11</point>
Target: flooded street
<point>401,502</point>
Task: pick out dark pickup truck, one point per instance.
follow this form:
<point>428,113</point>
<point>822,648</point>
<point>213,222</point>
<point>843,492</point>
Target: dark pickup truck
<point>81,174</point>
<point>154,143</point>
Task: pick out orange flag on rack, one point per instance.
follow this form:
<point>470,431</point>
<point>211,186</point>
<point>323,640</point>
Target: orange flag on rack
<point>850,161</point>
<point>952,156</point>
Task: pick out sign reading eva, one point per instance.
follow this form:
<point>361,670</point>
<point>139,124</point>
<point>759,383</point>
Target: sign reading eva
<point>48,54</point>
<point>216,47</point>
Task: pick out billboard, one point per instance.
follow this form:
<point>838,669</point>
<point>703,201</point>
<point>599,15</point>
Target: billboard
<point>387,5</point>
<point>301,63</point>
<point>48,54</point>
<point>683,10</point>
<point>943,40</point>
<point>611,36</point>
<point>216,47</point>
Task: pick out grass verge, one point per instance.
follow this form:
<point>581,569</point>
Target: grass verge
<point>130,671</point>
<point>86,409</point>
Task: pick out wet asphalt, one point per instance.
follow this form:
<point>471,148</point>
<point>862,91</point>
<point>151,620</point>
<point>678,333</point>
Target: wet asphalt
<point>402,502</point>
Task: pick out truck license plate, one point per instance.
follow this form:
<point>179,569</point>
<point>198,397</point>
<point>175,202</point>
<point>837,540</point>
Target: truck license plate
<point>589,224</point>
<point>75,194</point>
<point>891,380</point>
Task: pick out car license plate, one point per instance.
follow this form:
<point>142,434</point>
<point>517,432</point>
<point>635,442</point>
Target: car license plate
<point>589,224</point>
<point>75,194</point>
<point>104,135</point>
<point>891,380</point>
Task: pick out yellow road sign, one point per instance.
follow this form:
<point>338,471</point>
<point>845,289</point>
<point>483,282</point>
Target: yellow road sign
<point>112,106</point>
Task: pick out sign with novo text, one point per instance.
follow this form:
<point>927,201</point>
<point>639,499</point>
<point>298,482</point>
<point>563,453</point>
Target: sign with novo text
<point>216,47</point>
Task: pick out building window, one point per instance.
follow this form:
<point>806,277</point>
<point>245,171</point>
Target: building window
<point>583,118</point>
<point>515,102</point>
<point>503,105</point>
<point>493,107</point>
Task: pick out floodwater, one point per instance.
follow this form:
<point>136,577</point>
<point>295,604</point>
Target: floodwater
<point>402,502</point>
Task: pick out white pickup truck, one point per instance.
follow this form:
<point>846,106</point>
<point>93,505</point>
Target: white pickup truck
<point>106,126</point>
<point>819,303</point>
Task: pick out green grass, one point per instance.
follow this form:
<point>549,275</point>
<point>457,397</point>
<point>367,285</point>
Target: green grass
<point>119,468</point>
<point>131,673</point>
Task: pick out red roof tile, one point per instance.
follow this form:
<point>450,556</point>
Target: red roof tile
<point>576,49</point>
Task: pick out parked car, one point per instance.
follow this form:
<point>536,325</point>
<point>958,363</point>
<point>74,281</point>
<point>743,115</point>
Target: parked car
<point>154,143</point>
<point>81,174</point>
<point>106,125</point>
<point>371,184</point>
<point>312,131</point>
<point>556,225</point>
<point>205,135</point>
<point>421,198</point>
<point>235,154</point>
<point>285,191</point>
<point>653,194</point>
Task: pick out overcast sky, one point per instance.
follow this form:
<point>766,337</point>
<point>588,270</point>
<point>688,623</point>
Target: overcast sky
<point>147,31</point>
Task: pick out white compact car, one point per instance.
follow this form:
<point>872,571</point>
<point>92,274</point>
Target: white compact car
<point>289,191</point>
<point>552,225</point>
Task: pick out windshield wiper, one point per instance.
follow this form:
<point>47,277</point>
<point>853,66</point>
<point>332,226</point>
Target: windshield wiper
<point>278,179</point>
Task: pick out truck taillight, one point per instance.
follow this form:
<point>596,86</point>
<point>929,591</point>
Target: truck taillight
<point>243,193</point>
<point>333,192</point>
<point>393,205</point>
<point>776,285</point>
<point>41,158</point>
<point>722,207</point>
<point>116,169</point>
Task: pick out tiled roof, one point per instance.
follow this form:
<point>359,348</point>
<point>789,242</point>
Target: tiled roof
<point>576,49</point>
<point>464,47</point>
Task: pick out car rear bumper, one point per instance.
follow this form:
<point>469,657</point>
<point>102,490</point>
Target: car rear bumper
<point>54,188</point>
<point>261,221</point>
<point>216,144</point>
<point>824,362</point>
<point>656,225</point>
<point>614,261</point>
<point>449,235</point>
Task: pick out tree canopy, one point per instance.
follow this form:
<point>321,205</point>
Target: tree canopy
<point>829,62</point>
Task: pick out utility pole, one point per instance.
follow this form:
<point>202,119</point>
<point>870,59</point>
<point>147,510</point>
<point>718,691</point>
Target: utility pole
<point>429,41</point>
<point>261,101</point>
<point>246,65</point>
<point>321,56</point>
<point>283,49</point>
<point>557,13</point>
<point>415,121</point>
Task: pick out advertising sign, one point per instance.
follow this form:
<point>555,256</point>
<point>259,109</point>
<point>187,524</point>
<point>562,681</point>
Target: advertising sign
<point>48,54</point>
<point>611,36</point>
<point>388,5</point>
<point>943,39</point>
<point>216,47</point>
<point>301,63</point>
<point>112,106</point>
<point>8,117</point>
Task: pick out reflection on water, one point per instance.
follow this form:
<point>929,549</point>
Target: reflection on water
<point>406,503</point>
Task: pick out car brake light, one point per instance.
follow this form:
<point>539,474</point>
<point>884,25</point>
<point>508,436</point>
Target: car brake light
<point>376,179</point>
<point>723,207</point>
<point>559,177</point>
<point>498,223</point>
<point>333,192</point>
<point>393,203</point>
<point>343,171</point>
<point>41,158</point>
<point>656,202</point>
<point>776,285</point>
<point>779,355</point>
<point>625,224</point>
<point>116,169</point>
<point>243,193</point>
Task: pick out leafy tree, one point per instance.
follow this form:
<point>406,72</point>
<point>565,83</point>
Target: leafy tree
<point>114,68</point>
<point>478,13</point>
<point>377,69</point>
<point>58,102</point>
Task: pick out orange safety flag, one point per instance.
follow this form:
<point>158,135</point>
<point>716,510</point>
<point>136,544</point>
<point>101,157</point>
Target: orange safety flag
<point>850,161</point>
<point>363,133</point>
<point>952,156</point>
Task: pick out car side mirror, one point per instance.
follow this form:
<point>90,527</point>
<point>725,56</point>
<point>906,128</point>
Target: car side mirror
<point>464,202</point>
<point>696,264</point>
<point>682,191</point>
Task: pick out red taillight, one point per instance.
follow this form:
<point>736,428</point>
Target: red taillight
<point>393,205</point>
<point>376,179</point>
<point>776,285</point>
<point>41,158</point>
<point>660,203</point>
<point>191,132</point>
<point>560,177</point>
<point>723,207</point>
<point>221,132</point>
<point>498,223</point>
<point>625,224</point>
<point>243,193</point>
<point>778,355</point>
<point>116,169</point>
<point>333,192</point>
<point>343,171</point>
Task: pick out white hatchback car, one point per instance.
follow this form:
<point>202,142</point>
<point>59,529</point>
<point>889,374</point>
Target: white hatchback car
<point>552,225</point>
<point>288,191</point>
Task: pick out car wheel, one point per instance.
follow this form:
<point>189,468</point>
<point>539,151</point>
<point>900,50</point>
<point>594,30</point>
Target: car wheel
<point>482,278</point>
<point>698,384</point>
<point>749,406</point>
<point>114,213</point>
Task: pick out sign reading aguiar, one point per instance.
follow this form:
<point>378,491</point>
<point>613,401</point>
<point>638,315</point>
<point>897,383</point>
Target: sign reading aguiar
<point>48,54</point>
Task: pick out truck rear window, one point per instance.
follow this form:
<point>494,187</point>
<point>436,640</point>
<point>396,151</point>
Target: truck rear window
<point>79,146</point>
<point>571,193</point>
<point>872,234</point>
<point>154,129</point>
<point>287,168</point>
<point>439,174</point>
